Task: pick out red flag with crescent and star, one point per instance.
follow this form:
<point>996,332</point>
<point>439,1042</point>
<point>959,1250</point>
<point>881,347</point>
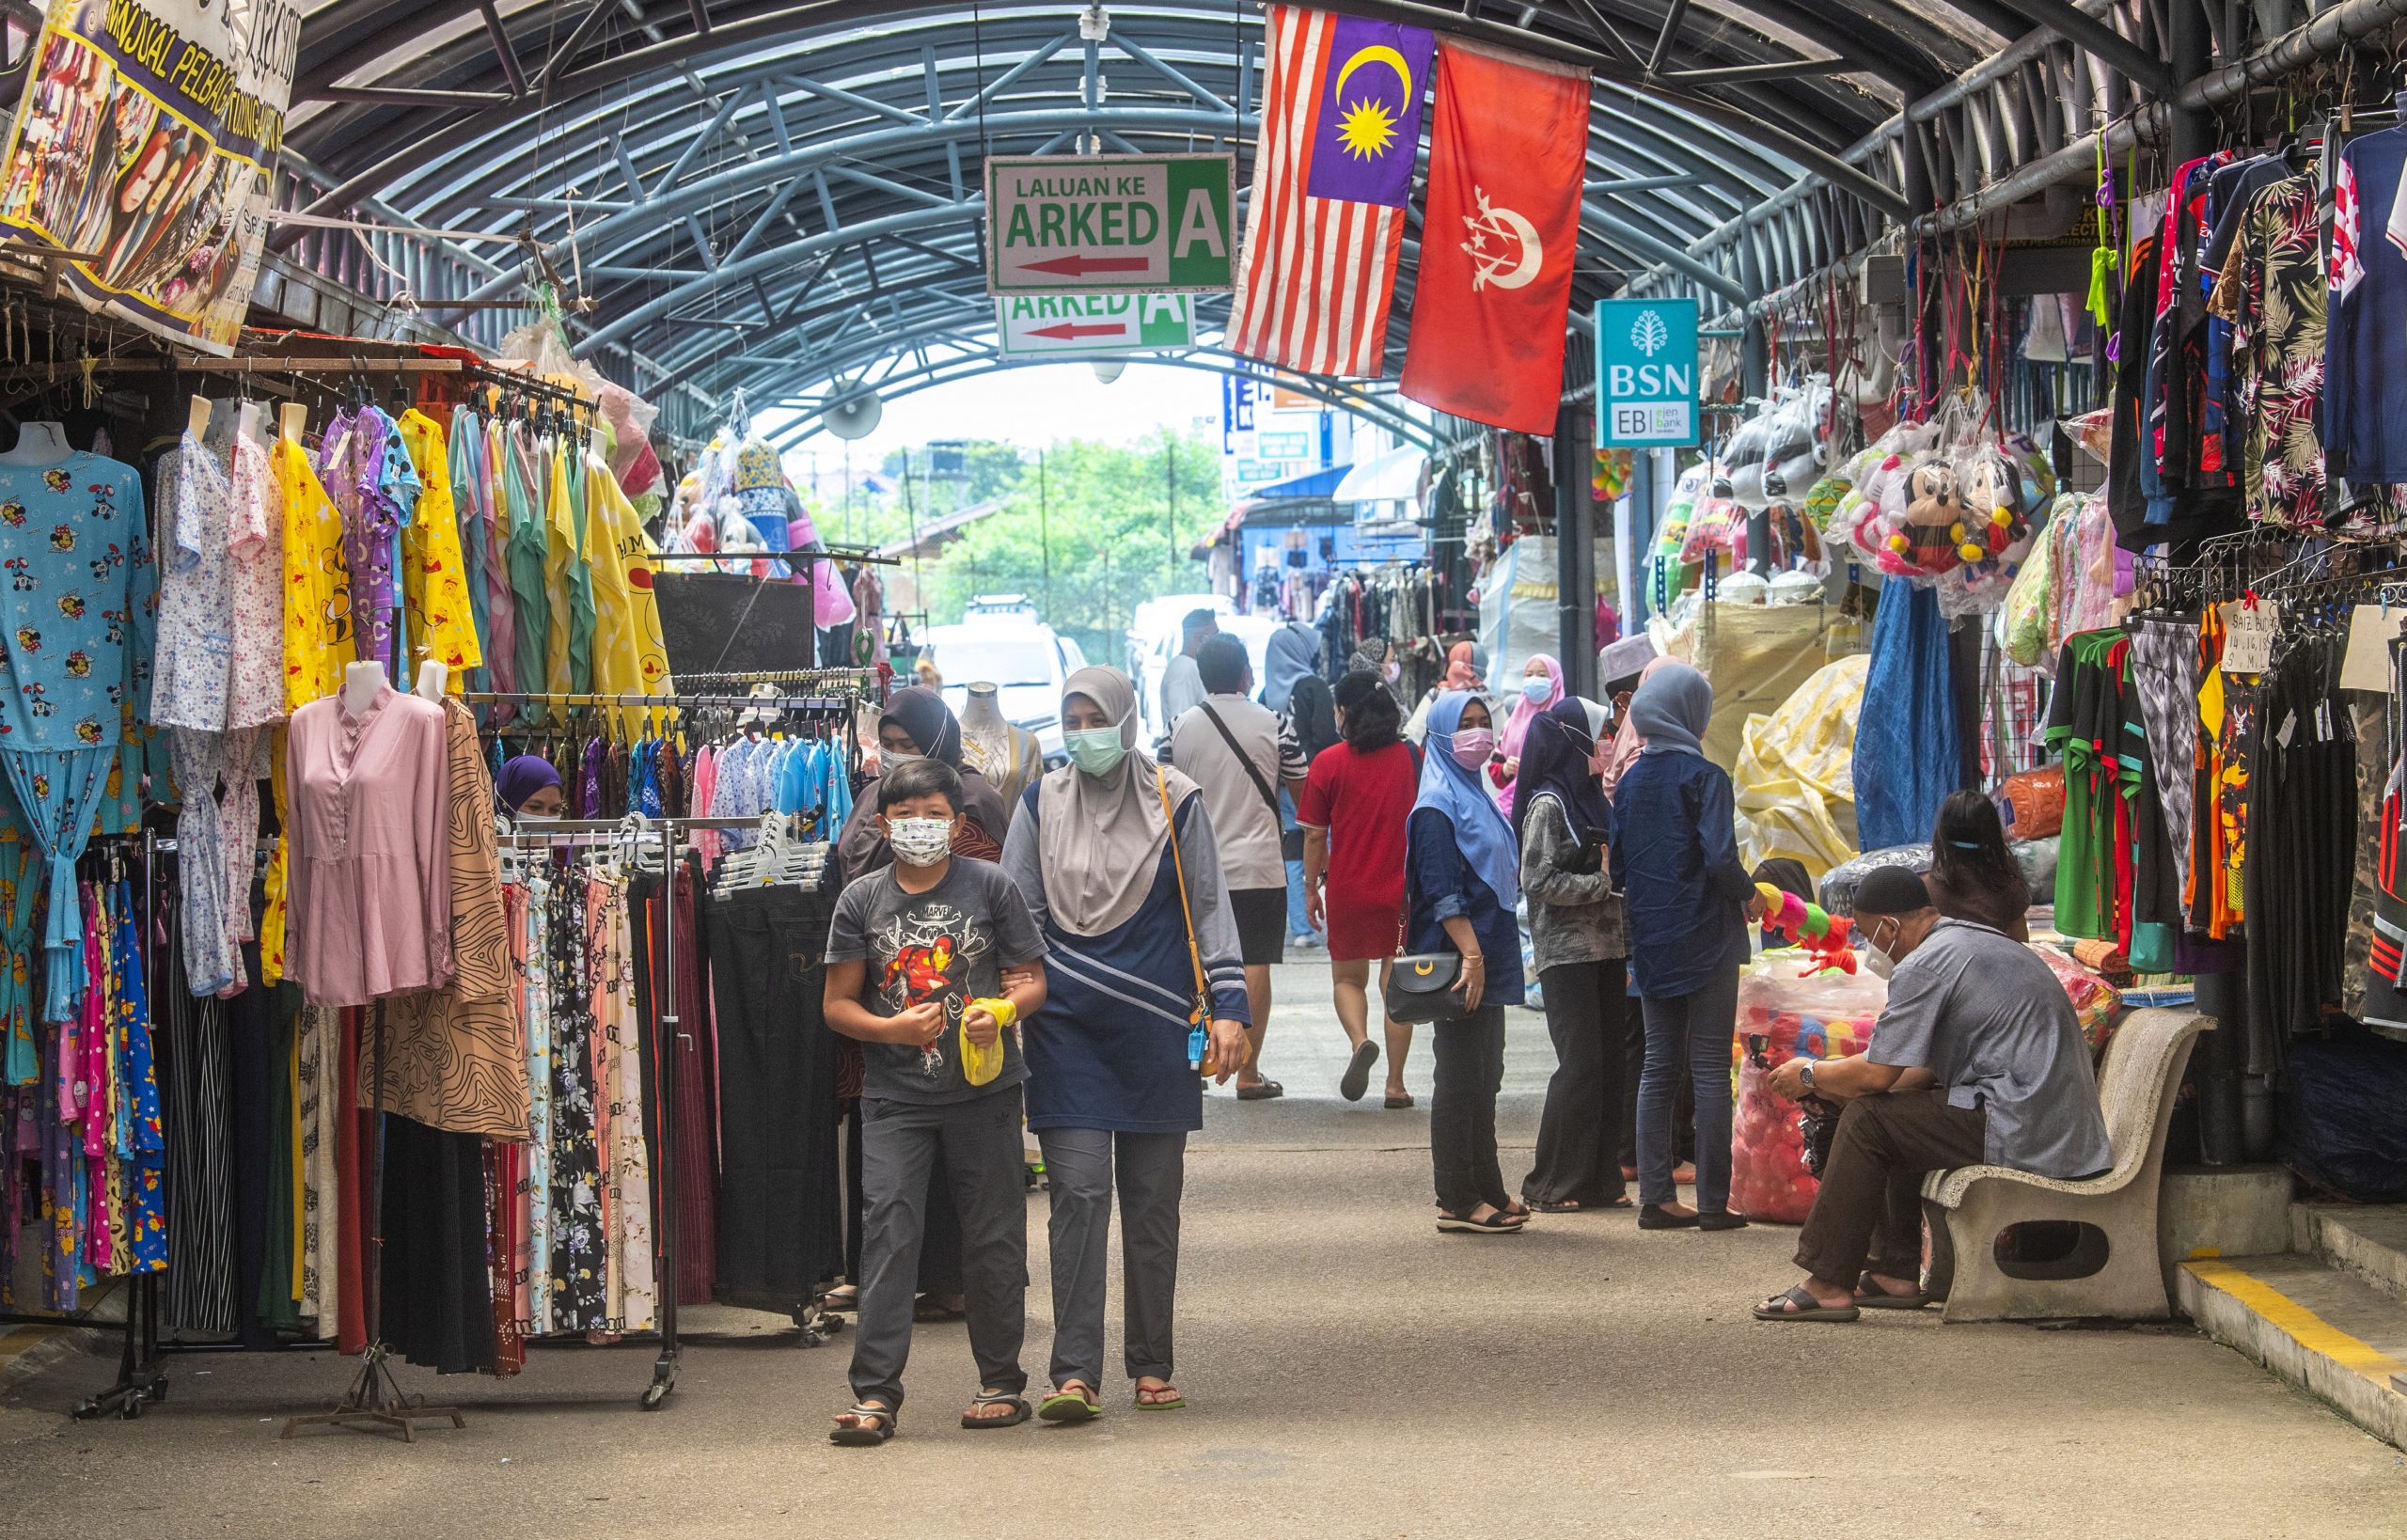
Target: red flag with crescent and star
<point>1341,129</point>
<point>1506,150</point>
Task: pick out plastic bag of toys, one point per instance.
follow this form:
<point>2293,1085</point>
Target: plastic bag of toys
<point>1778,1018</point>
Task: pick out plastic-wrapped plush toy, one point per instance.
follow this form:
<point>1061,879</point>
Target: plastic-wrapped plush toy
<point>1929,540</point>
<point>1825,1017</point>
<point>1810,928</point>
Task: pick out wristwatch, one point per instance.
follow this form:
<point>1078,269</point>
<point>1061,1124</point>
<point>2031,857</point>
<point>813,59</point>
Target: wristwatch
<point>1807,1074</point>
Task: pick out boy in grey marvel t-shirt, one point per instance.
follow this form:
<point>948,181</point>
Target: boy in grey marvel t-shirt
<point>915,955</point>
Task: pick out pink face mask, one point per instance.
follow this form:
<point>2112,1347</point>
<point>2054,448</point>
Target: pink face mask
<point>1473,746</point>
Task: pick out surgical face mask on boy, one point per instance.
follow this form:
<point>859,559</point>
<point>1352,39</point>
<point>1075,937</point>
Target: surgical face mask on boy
<point>1094,750</point>
<point>1473,746</point>
<point>919,841</point>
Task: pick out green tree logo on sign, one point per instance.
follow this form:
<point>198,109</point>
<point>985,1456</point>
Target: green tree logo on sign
<point>1650,336</point>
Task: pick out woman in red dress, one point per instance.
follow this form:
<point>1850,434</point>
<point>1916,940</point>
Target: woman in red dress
<point>1357,798</point>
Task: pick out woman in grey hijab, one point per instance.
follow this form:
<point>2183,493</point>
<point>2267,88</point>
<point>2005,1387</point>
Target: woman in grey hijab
<point>1148,997</point>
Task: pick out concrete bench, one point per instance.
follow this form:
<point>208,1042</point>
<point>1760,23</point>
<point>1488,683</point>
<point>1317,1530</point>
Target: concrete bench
<point>2114,1270</point>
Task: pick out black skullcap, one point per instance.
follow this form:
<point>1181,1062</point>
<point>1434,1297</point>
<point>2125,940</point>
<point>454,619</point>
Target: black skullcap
<point>1890,891</point>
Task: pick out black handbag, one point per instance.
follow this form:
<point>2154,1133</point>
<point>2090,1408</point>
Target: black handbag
<point>1421,987</point>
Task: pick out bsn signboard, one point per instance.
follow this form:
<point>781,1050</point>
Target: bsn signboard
<point>1121,224</point>
<point>1646,373</point>
<point>1085,325</point>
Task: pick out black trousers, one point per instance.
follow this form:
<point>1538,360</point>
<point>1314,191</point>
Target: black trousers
<point>1580,1135</point>
<point>779,1224</point>
<point>1462,1110</point>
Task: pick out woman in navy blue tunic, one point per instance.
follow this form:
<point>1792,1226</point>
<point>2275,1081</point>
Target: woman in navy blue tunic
<point>1113,1090</point>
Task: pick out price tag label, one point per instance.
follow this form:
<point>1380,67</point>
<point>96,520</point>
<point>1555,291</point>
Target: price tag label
<point>2248,635</point>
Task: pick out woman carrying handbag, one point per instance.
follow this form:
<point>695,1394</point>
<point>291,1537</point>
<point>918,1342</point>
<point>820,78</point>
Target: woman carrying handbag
<point>1463,964</point>
<point>1116,856</point>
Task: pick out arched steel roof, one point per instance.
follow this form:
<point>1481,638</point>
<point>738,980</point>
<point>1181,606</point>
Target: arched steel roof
<point>776,196</point>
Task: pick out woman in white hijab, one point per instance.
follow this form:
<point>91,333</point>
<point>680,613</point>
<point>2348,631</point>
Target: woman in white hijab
<point>1116,1057</point>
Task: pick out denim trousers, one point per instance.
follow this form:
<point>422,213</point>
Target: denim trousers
<point>1694,1029</point>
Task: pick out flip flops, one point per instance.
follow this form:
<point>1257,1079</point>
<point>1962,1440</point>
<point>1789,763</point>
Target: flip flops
<point>1261,1091</point>
<point>1499,1223</point>
<point>1807,1308</point>
<point>1175,1403</point>
<point>1357,1079</point>
<point>879,1427</point>
<point>1399,1104</point>
<point>1871,1296</point>
<point>1017,1403</point>
<point>1066,1405</point>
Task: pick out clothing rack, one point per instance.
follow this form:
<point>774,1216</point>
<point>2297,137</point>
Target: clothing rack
<point>815,1326</point>
<point>140,1379</point>
<point>807,703</point>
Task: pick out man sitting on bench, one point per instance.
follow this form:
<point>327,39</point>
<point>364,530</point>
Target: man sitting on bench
<point>1976,1058</point>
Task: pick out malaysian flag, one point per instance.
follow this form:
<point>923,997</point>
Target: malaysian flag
<point>1341,125</point>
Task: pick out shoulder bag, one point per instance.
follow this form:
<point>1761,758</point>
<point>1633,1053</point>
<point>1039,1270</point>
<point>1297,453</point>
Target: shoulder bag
<point>1421,987</point>
<point>1251,773</point>
<point>1197,1038</point>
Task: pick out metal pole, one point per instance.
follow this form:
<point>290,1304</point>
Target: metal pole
<point>1575,555</point>
<point>1045,533</point>
<point>663,1369</point>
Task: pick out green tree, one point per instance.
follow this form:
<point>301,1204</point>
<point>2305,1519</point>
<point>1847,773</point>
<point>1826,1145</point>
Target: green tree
<point>1118,524</point>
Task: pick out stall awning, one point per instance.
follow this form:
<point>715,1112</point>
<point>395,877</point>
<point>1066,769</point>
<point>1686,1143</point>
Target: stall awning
<point>1392,477</point>
<point>1319,485</point>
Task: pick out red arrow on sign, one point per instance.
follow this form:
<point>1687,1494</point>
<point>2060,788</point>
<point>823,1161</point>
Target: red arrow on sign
<point>1067,331</point>
<point>1078,267</point>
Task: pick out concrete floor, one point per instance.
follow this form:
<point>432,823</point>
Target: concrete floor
<point>1352,1374</point>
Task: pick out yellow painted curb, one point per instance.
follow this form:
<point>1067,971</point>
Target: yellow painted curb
<point>2310,1330</point>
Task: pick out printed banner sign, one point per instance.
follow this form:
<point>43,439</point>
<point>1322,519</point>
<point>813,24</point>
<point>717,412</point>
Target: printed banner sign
<point>146,143</point>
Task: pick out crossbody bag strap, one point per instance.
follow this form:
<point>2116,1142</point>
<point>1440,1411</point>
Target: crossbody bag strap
<point>1194,955</point>
<point>1251,772</point>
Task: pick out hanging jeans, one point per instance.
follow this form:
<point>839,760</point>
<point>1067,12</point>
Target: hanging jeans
<point>58,790</point>
<point>1696,1030</point>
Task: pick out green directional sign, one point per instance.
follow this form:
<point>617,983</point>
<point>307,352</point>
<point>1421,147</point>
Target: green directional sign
<point>1084,326</point>
<point>1117,224</point>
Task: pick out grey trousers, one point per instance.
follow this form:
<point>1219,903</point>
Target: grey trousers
<point>981,1142</point>
<point>1079,1163</point>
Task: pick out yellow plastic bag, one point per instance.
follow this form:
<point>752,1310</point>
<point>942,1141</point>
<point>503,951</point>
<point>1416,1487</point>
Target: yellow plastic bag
<point>979,1066</point>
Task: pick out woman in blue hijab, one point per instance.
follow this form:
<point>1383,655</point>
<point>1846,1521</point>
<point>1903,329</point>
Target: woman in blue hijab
<point>1689,902</point>
<point>1461,882</point>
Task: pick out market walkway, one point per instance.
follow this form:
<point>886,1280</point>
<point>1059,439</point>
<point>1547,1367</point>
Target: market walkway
<point>1353,1374</point>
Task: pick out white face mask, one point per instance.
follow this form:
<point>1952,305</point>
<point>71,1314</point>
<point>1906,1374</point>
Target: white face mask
<point>919,841</point>
<point>1877,960</point>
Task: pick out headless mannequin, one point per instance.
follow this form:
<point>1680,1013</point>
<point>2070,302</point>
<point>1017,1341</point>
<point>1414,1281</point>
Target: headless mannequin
<point>431,677</point>
<point>360,683</point>
<point>38,444</point>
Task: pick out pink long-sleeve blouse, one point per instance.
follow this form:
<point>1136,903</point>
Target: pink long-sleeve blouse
<point>371,853</point>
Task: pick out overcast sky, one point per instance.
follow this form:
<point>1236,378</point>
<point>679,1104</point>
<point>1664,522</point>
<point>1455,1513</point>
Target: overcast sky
<point>1032,407</point>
